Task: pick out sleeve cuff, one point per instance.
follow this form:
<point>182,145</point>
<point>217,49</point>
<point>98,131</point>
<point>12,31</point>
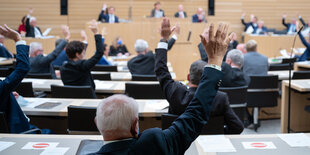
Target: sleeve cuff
<point>214,66</point>
<point>162,45</point>
<point>175,37</point>
<point>103,9</point>
<point>28,16</point>
<point>21,42</point>
<point>299,17</point>
<point>85,42</point>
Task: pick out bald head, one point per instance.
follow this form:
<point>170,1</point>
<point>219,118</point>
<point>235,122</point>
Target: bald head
<point>199,11</point>
<point>180,8</point>
<point>242,48</point>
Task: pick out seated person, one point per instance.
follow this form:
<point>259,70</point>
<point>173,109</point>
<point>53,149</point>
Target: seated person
<point>238,78</point>
<point>77,71</point>
<point>261,29</point>
<point>62,57</point>
<point>157,12</point>
<point>4,52</point>
<point>110,17</point>
<point>242,48</point>
<point>32,30</point>
<point>250,25</point>
<point>103,13</point>
<point>122,137</point>
<point>118,48</point>
<point>22,27</point>
<point>179,95</point>
<point>104,59</point>
<point>306,29</point>
<point>199,17</point>
<point>181,13</point>
<point>233,43</point>
<point>254,62</point>
<point>290,28</point>
<point>42,64</point>
<point>144,63</point>
<point>17,121</point>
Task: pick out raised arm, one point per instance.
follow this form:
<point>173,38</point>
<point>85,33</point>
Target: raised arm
<point>302,21</point>
<point>22,61</point>
<point>242,19</point>
<point>304,41</point>
<point>283,21</point>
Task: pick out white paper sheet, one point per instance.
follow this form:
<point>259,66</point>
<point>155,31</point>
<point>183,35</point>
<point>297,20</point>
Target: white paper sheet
<point>104,85</point>
<point>216,143</point>
<point>40,145</point>
<point>158,105</point>
<point>4,145</point>
<point>258,145</point>
<point>296,139</point>
<point>55,151</point>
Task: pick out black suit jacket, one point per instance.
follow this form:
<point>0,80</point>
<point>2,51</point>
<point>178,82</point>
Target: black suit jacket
<point>77,73</point>
<point>153,13</point>
<point>247,25</point>
<point>235,78</point>
<point>120,49</point>
<point>287,25</point>
<point>183,131</point>
<point>144,64</point>
<point>303,22</point>
<point>179,96</point>
<point>30,29</point>
<point>177,14</point>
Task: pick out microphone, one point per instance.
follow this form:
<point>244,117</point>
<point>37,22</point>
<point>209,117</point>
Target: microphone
<point>302,27</point>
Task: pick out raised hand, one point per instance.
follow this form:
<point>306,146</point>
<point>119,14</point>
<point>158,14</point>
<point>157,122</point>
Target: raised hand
<point>165,30</point>
<point>243,15</point>
<point>216,46</point>
<point>83,35</point>
<point>94,26</point>
<point>66,32</point>
<point>10,33</point>
<point>284,15</point>
<point>30,10</point>
<point>176,29</point>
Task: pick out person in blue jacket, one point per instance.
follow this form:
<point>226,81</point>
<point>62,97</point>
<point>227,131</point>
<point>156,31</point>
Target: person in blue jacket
<point>306,54</point>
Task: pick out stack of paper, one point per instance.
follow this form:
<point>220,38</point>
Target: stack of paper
<point>216,143</point>
<point>4,145</point>
<point>296,139</point>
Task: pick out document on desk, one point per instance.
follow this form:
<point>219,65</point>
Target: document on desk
<point>40,145</point>
<point>296,139</point>
<point>55,151</point>
<point>216,143</point>
<point>258,145</point>
<point>4,145</point>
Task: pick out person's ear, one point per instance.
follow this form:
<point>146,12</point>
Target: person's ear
<point>135,128</point>
<point>95,120</point>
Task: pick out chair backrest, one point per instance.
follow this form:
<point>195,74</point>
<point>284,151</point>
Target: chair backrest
<point>105,68</point>
<point>4,72</point>
<point>263,91</point>
<point>144,91</point>
<point>81,120</point>
<point>277,67</point>
<point>39,76</point>
<point>139,77</point>
<point>215,124</point>
<point>72,92</point>
<point>25,89</point>
<point>102,76</point>
<point>4,128</point>
<point>288,60</point>
<point>301,75</point>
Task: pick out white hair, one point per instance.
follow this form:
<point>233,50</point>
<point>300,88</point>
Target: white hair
<point>141,45</point>
<point>236,57</point>
<point>117,112</point>
<point>32,19</point>
<point>34,46</point>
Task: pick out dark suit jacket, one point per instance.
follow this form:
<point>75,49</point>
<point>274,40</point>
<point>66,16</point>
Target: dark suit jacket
<point>30,29</point>
<point>306,54</point>
<point>264,29</point>
<point>101,16</point>
<point>14,115</point>
<point>303,22</point>
<point>144,64</point>
<point>4,52</point>
<point>42,64</point>
<point>107,18</point>
<point>247,25</point>
<point>77,73</point>
<point>177,14</point>
<point>195,19</point>
<point>120,49</point>
<point>232,45</point>
<point>179,96</point>
<point>287,25</point>
<point>183,131</point>
<point>235,78</point>
<point>153,13</point>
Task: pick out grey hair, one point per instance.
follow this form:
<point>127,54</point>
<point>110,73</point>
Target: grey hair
<point>32,19</point>
<point>195,71</point>
<point>141,45</point>
<point>116,113</point>
<point>236,57</point>
<point>34,46</point>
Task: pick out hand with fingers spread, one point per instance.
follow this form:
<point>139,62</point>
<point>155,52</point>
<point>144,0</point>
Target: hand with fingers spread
<point>176,29</point>
<point>10,33</point>
<point>83,35</point>
<point>94,26</point>
<point>66,32</point>
<point>165,30</point>
<point>30,11</point>
<point>216,46</point>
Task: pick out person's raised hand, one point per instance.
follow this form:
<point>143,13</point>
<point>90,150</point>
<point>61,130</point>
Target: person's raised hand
<point>83,35</point>
<point>94,26</point>
<point>165,30</point>
<point>30,10</point>
<point>176,29</point>
<point>216,46</point>
<point>104,5</point>
<point>284,15</point>
<point>243,15</point>
<point>65,31</point>
<point>10,33</point>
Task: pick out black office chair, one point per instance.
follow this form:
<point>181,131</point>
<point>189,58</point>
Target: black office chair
<point>105,68</point>
<point>263,91</point>
<point>102,76</point>
<point>81,120</point>
<point>72,92</point>
<point>215,124</point>
<point>25,89</point>
<point>139,77</point>
<point>301,75</point>
<point>144,91</point>
<point>288,60</point>
<point>4,72</point>
<point>39,76</point>
<point>237,99</point>
<point>277,67</point>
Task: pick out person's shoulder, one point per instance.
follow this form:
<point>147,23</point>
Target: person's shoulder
<point>150,134</point>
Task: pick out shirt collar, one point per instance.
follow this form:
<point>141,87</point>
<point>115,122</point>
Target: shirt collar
<point>112,141</point>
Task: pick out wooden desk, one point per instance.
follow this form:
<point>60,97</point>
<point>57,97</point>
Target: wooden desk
<point>7,62</point>
<point>147,108</point>
<point>299,119</point>
<point>302,66</point>
<point>283,75</point>
<point>73,142</point>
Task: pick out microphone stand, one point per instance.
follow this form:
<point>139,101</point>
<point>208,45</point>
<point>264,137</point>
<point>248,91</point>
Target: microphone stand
<point>289,84</point>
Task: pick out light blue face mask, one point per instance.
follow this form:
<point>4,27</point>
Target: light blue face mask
<point>119,42</point>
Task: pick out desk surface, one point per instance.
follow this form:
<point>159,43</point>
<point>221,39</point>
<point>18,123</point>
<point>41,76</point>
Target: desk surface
<point>299,85</point>
<point>283,75</point>
<point>7,62</point>
<point>147,108</point>
<point>73,141</point>
<point>123,76</point>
